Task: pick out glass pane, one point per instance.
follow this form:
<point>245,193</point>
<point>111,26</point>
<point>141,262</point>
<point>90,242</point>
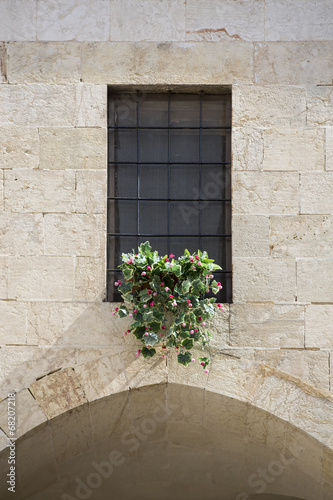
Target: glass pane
<point>153,181</point>
<point>215,182</point>
<point>224,295</point>
<point>184,217</point>
<point>184,182</point>
<point>123,146</point>
<point>153,110</point>
<point>118,245</point>
<point>123,181</point>
<point>185,146</point>
<point>122,216</point>
<point>153,217</point>
<point>218,249</point>
<point>178,245</point>
<point>185,110</point>
<point>157,243</point>
<point>122,110</point>
<point>216,110</point>
<point>215,217</point>
<point>153,146</point>
<point>112,291</point>
<point>215,147</point>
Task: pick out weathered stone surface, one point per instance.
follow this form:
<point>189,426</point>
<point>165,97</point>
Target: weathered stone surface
<point>250,236</point>
<point>90,278</point>
<point>301,236</point>
<point>319,326</point>
<point>39,191</point>
<point>19,147</point>
<point>315,280</point>
<point>297,149</point>
<point>74,234</point>
<point>167,63</point>
<point>247,148</point>
<point>227,20</point>
<point>40,278</point>
<point>265,193</point>
<point>67,148</point>
<point>21,234</point>
<point>266,325</point>
<point>329,149</point>
<point>293,63</point>
<point>91,188</point>
<point>28,413</point>
<point>298,20</point>
<point>320,106</point>
<point>13,322</point>
<point>37,105</point>
<point>140,371</point>
<point>219,328</point>
<point>3,440</point>
<point>316,193</point>
<point>41,62</point>
<point>73,20</point>
<point>18,20</point>
<point>264,279</point>
<point>2,206</point>
<point>268,106</point>
<point>154,21</point>
<point>90,106</point>
<point>3,277</point>
<point>49,392</point>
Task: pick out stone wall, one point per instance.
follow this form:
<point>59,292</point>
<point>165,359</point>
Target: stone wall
<point>57,59</point>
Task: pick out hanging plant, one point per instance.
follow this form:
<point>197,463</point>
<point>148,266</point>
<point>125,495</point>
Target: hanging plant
<point>166,299</point>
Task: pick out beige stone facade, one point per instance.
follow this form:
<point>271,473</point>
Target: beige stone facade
<point>60,347</point>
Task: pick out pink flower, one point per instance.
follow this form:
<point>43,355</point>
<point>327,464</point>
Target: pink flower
<point>154,294</point>
<point>199,318</point>
<point>171,264</point>
<point>161,335</point>
<point>206,371</point>
<point>125,333</point>
<point>113,313</point>
<point>191,259</point>
<point>135,311</point>
<point>163,327</point>
<point>144,306</point>
<point>174,303</point>
<point>137,354</point>
<point>184,324</point>
<point>130,315</point>
<point>149,327</point>
<point>193,267</point>
<point>166,288</point>
<point>151,304</point>
<point>148,268</point>
<point>143,273</point>
<point>188,301</point>
<point>162,284</point>
<point>117,309</point>
<point>116,283</point>
<point>166,259</point>
<point>146,334</point>
<point>199,263</point>
<point>203,323</point>
<point>191,332</point>
<point>202,363</point>
<point>196,330</point>
<point>163,356</point>
<point>128,331</point>
<point>164,347</point>
<point>193,360</point>
<point>129,261</point>
<point>150,292</point>
<point>190,305</point>
<point>171,256</point>
<point>207,291</point>
<point>212,276</point>
<point>196,257</point>
<point>170,296</point>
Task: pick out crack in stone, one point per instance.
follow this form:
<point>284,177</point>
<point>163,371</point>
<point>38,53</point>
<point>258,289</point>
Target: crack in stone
<point>211,30</point>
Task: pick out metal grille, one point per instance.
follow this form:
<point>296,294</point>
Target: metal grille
<point>169,178</point>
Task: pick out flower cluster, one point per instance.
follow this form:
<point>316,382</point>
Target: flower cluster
<point>165,297</point>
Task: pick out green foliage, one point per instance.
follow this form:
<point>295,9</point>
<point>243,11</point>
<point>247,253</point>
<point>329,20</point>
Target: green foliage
<point>165,297</point>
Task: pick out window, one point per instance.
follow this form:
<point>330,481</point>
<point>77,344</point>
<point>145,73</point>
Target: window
<point>169,177</point>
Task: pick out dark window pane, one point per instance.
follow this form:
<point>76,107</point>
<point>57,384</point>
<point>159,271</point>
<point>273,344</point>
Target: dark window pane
<point>215,147</point>
<point>224,295</point>
<point>112,291</point>
<point>122,216</point>
<point>160,244</point>
<point>216,111</point>
<point>118,245</point>
<point>178,245</point>
<point>184,182</point>
<point>153,146</point>
<point>215,182</point>
<point>184,146</point>
<point>153,217</point>
<point>184,217</point>
<point>185,110</point>
<point>153,110</point>
<point>122,110</point>
<point>123,146</point>
<point>123,181</point>
<point>215,217</point>
<point>218,249</point>
<point>153,181</point>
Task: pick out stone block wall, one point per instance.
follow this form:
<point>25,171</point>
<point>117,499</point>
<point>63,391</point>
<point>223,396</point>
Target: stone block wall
<point>56,61</point>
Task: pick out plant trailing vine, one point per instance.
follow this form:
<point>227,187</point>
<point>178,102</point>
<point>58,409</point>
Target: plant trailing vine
<point>166,299</point>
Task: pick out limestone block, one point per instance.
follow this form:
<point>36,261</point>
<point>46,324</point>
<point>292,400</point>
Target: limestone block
<point>91,191</point>
<point>3,277</point>
<point>301,236</point>
<point>320,106</point>
<point>141,372</point>
<point>74,234</point>
<point>167,63</point>
<point>3,63</point>
<point>250,236</point>
<point>192,375</point>
<point>265,193</point>
<point>316,193</point>
<point>39,191</point>
<point>297,149</point>
<point>219,328</point>
<point>329,149</point>
<point>266,325</point>
<point>13,322</point>
<point>102,377</point>
<point>40,278</point>
<point>73,20</point>
<point>315,280</point>
<point>58,392</point>
<point>91,106</point>
<point>319,326</point>
<point>264,279</point>
<point>89,278</point>
<point>154,21</point>
<point>247,148</point>
<point>328,466</point>
<point>41,62</point>
<point>268,106</point>
<point>216,20</point>
<point>28,413</point>
<point>21,234</point>
<point>293,63</point>
<point>1,191</point>
<point>18,20</point>
<point>37,105</point>
<point>67,148</point>
<point>3,440</point>
<point>298,20</point>
<point>19,147</point>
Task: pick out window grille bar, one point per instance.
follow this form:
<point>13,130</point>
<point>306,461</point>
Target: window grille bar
<point>166,128</point>
<point>184,200</point>
<point>138,164</point>
<point>144,235</point>
<point>169,157</point>
<point>190,163</point>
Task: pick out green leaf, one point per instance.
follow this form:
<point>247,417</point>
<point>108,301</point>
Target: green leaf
<point>198,286</point>
<point>186,286</point>
<point>128,273</point>
<point>184,358</point>
<point>188,344</point>
<point>150,339</point>
<point>177,270</point>
<point>148,316</point>
<point>145,248</point>
<point>155,325</point>
<point>186,252</point>
<point>205,361</point>
<point>139,331</point>
<point>144,295</point>
<point>123,311</point>
<point>148,353</point>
